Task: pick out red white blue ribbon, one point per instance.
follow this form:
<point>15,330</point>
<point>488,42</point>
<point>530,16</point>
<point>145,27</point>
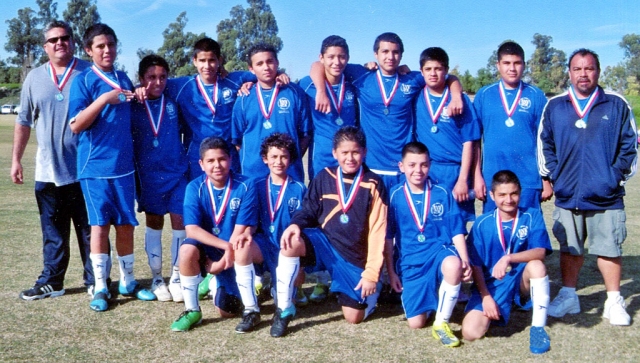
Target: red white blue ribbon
<point>420,222</point>
<point>337,102</point>
<point>211,103</point>
<point>346,201</point>
<point>106,79</point>
<point>266,112</point>
<point>582,111</point>
<point>155,125</point>
<point>65,76</point>
<point>506,247</point>
<point>387,100</point>
<point>273,210</point>
<point>435,116</point>
<point>505,104</point>
<point>219,214</point>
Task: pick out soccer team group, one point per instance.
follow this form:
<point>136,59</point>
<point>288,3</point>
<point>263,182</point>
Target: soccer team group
<point>396,159</point>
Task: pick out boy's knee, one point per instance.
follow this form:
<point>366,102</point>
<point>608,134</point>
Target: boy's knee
<point>536,269</point>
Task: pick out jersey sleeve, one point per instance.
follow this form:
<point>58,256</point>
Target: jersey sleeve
<point>248,213</point>
<point>79,96</point>
<point>354,71</point>
<point>474,240</point>
<point>305,124</point>
<point>238,121</point>
<point>539,237</point>
<point>470,126</point>
<point>28,111</point>
<point>192,210</point>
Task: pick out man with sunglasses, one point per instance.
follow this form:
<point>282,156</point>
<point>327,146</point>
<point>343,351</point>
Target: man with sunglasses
<point>44,104</point>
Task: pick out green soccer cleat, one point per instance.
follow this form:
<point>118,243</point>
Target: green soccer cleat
<point>301,299</point>
<point>443,333</point>
<point>320,293</point>
<point>203,287</point>
<point>186,320</point>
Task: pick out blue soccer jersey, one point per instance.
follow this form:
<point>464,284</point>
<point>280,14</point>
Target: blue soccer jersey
<point>105,149</point>
<point>510,142</point>
<point>239,208</point>
<point>443,222</point>
<point>388,127</point>
<point>286,112</point>
<point>325,125</point>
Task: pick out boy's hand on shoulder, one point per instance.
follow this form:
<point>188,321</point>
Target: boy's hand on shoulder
<point>245,89</point>
<point>403,69</point>
<point>367,287</point>
<point>490,308</point>
<point>283,78</point>
<point>455,106</point>
<point>372,66</point>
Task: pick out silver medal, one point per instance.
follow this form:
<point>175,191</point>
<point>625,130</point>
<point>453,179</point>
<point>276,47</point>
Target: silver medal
<point>344,219</point>
<point>339,121</point>
<point>434,129</point>
<point>581,124</point>
<point>59,97</point>
<point>216,231</point>
<point>421,238</point>
<point>272,228</point>
<point>267,125</point>
<point>386,111</point>
<point>508,269</point>
<point>122,97</point>
<point>509,122</point>
<point>155,143</point>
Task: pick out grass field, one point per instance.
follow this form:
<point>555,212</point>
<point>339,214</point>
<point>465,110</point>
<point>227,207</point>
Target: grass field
<point>65,329</point>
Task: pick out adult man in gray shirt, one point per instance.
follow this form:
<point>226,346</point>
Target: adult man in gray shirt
<point>44,104</point>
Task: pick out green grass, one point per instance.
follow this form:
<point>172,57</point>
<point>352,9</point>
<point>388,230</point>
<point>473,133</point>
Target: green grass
<point>65,329</point>
<point>635,105</point>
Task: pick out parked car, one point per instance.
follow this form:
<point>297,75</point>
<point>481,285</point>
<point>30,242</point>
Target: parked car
<point>6,109</point>
<point>15,109</point>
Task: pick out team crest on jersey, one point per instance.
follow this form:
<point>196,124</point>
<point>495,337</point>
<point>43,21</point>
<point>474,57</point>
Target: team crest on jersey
<point>171,110</point>
<point>405,88</point>
<point>522,232</point>
<point>293,204</point>
<point>437,210</point>
<point>227,95</point>
<point>234,204</point>
<point>524,103</point>
<point>284,104</point>
<point>445,114</point>
<point>348,95</point>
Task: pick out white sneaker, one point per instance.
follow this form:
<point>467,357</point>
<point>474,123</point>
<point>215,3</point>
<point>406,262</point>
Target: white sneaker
<point>90,289</point>
<point>176,291</point>
<point>564,303</point>
<point>616,312</point>
<point>159,289</point>
<point>213,288</point>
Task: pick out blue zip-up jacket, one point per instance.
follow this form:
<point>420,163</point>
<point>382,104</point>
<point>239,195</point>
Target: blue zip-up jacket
<point>588,167</point>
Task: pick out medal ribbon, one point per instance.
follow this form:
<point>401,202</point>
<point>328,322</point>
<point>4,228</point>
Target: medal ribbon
<point>279,199</point>
<point>435,116</point>
<point>337,103</point>
<point>386,100</point>
<point>503,243</point>
<point>267,112</point>
<point>505,103</point>
<point>65,76</point>
<point>582,112</point>
<point>420,223</point>
<point>155,126</point>
<point>106,79</point>
<point>211,103</point>
<point>350,198</point>
<point>218,214</point>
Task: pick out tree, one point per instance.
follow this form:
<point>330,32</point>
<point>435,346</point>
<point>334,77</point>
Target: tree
<point>177,47</point>
<point>483,78</point>
<point>614,78</point>
<point>630,44</point>
<point>48,11</point>
<point>548,65</point>
<point>243,29</point>
<point>466,79</point>
<point>81,14</point>
<point>24,39</point>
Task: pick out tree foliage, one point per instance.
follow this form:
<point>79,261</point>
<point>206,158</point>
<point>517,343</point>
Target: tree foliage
<point>630,44</point>
<point>48,11</point>
<point>177,47</point>
<point>548,65</point>
<point>24,39</point>
<point>81,14</point>
<point>244,28</point>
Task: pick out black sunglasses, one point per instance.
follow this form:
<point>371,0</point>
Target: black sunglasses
<point>64,38</point>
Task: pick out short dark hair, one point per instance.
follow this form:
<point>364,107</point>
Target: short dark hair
<point>349,133</point>
<point>206,45</point>
<point>388,37</point>
<point>259,48</point>
<point>281,141</point>
<point>214,142</point>
<point>334,41</point>
<point>510,48</point>
<point>150,61</point>
<point>415,147</point>
<point>434,54</point>
<point>504,177</point>
<point>57,24</point>
<point>96,30</point>
<point>584,52</point>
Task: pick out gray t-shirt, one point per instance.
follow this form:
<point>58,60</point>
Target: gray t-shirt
<point>40,109</point>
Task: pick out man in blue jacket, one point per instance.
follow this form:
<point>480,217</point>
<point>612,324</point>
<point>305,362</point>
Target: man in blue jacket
<point>588,150</point>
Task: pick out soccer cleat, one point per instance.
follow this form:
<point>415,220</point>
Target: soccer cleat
<point>320,293</point>
<point>176,291</point>
<point>301,299</point>
<point>257,286</point>
<point>41,291</point>
<point>160,290</point>
<point>187,320</point>
<point>281,320</point>
<point>539,341</point>
<point>249,321</point>
<point>203,287</point>
<point>564,303</point>
<point>100,301</point>
<point>616,312</point>
<point>136,290</point>
<point>443,333</point>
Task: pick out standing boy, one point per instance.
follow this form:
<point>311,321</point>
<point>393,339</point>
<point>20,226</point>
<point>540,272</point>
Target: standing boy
<point>507,248</point>
<point>100,112</point>
<point>429,235</point>
<point>269,107</point>
<point>161,165</point>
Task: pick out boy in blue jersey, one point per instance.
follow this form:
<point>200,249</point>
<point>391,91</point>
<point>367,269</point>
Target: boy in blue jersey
<point>509,112</point>
<point>385,99</point>
<point>220,212</point>
<point>161,166</point>
<point>450,138</point>
<point>100,112</point>
<point>507,248</point>
<point>269,107</point>
<point>429,233</point>
<point>334,55</point>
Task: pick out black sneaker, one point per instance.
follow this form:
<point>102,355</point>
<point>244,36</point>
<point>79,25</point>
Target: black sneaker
<point>280,323</point>
<point>40,292</point>
<point>249,321</point>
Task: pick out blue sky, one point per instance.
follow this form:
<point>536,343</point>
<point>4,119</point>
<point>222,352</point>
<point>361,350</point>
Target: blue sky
<point>469,30</point>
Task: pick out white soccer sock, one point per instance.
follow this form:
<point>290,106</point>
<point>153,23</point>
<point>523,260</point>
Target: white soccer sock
<point>175,275</point>
<point>612,296</point>
<point>190,291</point>
<point>126,269</point>
<point>99,263</point>
<point>244,279</point>
<point>286,273</point>
<point>539,300</point>
<point>153,247</point>
<point>447,298</point>
<point>177,236</point>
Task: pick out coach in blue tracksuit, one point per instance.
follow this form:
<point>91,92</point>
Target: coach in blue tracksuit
<point>588,150</point>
